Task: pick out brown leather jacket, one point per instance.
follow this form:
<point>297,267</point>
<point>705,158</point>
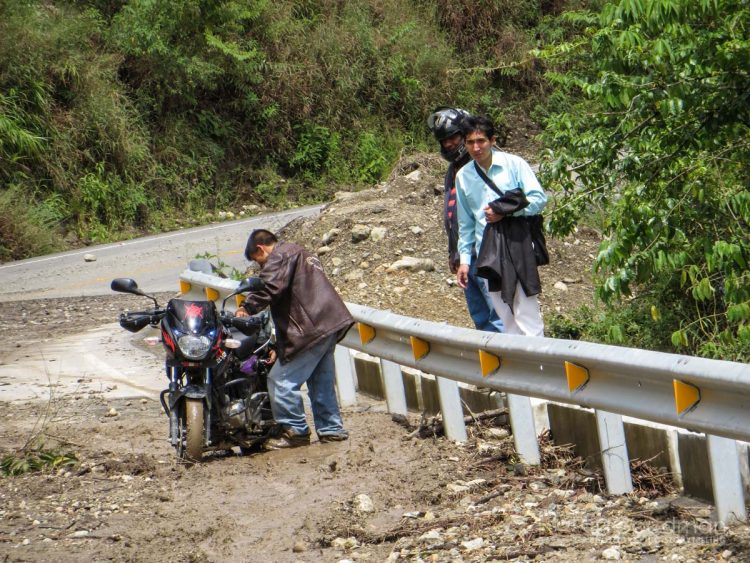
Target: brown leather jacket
<point>304,305</point>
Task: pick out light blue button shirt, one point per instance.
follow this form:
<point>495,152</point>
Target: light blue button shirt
<point>508,171</point>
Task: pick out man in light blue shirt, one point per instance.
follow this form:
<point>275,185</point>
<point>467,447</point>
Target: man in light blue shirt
<point>508,172</point>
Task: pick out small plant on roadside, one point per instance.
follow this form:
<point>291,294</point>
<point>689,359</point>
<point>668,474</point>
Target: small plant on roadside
<point>29,460</point>
<point>221,268</point>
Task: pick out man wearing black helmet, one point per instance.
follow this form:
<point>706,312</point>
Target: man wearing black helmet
<point>445,126</point>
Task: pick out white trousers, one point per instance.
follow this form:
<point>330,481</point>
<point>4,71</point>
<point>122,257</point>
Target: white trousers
<point>525,318</point>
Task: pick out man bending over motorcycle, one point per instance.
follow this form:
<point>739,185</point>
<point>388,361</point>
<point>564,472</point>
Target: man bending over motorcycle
<point>310,319</point>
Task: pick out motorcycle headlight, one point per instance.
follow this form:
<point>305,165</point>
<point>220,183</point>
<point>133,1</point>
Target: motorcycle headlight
<point>194,347</point>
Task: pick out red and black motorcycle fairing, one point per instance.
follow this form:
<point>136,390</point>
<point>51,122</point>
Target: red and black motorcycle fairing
<point>227,377</point>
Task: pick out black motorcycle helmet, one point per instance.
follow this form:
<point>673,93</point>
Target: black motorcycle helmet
<point>445,122</point>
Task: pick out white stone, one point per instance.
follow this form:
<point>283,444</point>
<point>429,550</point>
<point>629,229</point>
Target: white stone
<point>89,258</point>
<point>456,488</point>
<point>354,275</point>
<point>414,176</point>
<point>360,233</point>
<point>112,412</point>
<point>412,264</point>
<point>472,545</point>
<point>323,250</point>
<point>431,535</point>
<point>363,503</point>
<point>561,286</point>
<point>416,230</point>
<point>611,553</point>
<point>378,233</point>
<point>345,543</point>
<point>79,534</point>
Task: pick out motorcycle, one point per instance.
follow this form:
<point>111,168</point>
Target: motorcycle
<point>217,366</point>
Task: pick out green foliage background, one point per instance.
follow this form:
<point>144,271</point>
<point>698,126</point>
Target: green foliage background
<point>118,118</point>
<point>655,136</point>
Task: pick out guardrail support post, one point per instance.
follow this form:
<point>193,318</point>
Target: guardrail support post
<point>615,460</point>
<point>729,495</point>
<point>450,406</point>
<point>524,431</point>
<point>345,376</point>
<point>395,396</point>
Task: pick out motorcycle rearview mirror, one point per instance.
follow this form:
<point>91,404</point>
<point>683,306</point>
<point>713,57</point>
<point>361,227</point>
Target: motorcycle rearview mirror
<point>129,285</point>
<point>125,285</point>
<point>251,284</point>
<point>248,284</point>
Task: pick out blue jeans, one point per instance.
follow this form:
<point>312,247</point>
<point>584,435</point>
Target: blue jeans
<point>316,368</point>
<point>481,309</point>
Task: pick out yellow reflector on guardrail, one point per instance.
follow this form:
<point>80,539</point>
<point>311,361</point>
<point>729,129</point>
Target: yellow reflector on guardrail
<point>420,348</point>
<point>212,294</point>
<point>578,376</point>
<point>488,362</point>
<point>686,396</point>
<point>366,333</point>
<point>185,287</point>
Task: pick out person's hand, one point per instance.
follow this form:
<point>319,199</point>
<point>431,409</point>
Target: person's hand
<point>452,266</point>
<point>241,312</point>
<point>462,276</point>
<point>491,216</point>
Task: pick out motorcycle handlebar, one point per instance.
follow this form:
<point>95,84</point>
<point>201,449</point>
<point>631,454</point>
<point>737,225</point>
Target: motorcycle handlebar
<point>246,325</point>
<point>136,320</point>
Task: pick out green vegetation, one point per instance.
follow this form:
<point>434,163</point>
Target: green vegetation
<point>123,118</point>
<point>31,460</point>
<point>656,136</point>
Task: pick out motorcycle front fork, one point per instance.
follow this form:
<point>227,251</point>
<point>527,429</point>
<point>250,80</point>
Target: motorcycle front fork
<point>174,423</point>
<point>174,429</point>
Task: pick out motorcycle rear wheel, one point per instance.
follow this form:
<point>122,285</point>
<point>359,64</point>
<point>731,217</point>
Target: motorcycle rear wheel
<point>194,429</point>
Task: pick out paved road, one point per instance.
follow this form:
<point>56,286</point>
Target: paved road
<point>155,262</point>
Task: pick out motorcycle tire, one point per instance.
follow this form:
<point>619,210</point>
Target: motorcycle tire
<point>194,429</point>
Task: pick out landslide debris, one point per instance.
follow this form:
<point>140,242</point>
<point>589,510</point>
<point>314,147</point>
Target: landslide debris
<point>385,247</point>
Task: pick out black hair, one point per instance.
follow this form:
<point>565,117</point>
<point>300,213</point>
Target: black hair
<point>257,237</point>
<point>480,123</point>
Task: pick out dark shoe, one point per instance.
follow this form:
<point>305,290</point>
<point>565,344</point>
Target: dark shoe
<point>287,439</point>
<point>338,437</point>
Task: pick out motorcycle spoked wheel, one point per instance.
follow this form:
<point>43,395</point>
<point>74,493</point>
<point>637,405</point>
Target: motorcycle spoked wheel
<point>191,431</point>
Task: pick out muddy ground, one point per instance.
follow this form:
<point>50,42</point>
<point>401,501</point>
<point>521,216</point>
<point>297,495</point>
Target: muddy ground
<point>425,499</point>
<point>386,494</point>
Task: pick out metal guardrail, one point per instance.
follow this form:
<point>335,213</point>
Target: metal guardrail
<point>693,393</point>
<point>697,394</point>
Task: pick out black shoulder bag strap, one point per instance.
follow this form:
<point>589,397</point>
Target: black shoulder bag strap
<point>486,179</point>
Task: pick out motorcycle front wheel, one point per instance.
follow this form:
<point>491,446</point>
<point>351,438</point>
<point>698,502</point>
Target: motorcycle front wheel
<point>194,429</point>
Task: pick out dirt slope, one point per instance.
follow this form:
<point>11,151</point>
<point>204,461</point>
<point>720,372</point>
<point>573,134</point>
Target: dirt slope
<point>403,217</point>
